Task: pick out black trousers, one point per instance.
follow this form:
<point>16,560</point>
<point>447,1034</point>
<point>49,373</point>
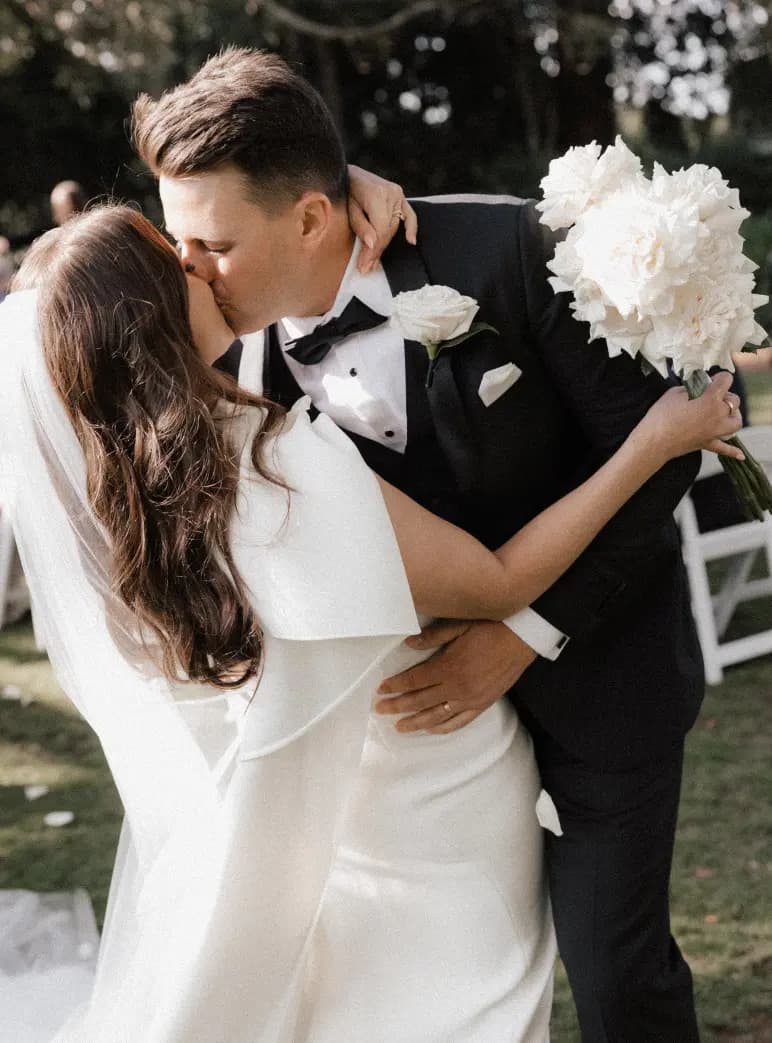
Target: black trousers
<point>609,877</point>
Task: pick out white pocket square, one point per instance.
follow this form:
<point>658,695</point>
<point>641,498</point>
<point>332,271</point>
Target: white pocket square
<point>496,381</point>
<point>547,814</point>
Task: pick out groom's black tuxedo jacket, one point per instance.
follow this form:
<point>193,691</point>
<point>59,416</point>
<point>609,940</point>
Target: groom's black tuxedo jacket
<point>629,682</point>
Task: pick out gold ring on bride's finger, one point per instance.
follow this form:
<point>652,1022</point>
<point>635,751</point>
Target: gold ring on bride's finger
<point>398,214</point>
<point>731,406</point>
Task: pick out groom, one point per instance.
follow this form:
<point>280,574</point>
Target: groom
<point>605,667</point>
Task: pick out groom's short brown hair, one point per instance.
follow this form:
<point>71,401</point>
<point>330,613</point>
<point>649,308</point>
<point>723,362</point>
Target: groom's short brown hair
<point>250,109</point>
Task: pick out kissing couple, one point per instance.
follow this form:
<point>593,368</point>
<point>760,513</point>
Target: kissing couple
<point>350,622</point>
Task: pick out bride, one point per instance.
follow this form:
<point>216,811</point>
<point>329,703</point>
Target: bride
<point>221,587</point>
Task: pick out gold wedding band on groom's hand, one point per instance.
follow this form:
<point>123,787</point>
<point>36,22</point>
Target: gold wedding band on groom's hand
<point>448,709</point>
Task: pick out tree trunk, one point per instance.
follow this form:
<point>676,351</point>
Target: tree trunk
<point>584,100</point>
<point>329,81</point>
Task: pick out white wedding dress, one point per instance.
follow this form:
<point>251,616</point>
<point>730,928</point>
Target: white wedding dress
<point>434,925</point>
<point>291,869</point>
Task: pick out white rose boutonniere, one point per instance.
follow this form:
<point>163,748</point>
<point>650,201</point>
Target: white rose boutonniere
<point>438,317</point>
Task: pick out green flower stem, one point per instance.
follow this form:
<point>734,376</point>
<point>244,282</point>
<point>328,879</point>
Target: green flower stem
<point>433,349</point>
<point>750,480</point>
<point>433,359</point>
<point>745,487</point>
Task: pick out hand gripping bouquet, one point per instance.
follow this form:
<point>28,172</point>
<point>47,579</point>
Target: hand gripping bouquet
<point>657,270</point>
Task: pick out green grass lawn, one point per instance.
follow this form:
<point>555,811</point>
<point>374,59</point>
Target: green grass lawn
<point>759,386</point>
<point>45,742</point>
<point>722,881</point>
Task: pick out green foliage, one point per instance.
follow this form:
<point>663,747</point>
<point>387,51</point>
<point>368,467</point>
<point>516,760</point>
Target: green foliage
<point>442,96</point>
<point>758,246</point>
<point>46,742</point>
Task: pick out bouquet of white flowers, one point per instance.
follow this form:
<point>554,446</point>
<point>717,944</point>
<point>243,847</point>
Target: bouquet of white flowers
<point>656,268</point>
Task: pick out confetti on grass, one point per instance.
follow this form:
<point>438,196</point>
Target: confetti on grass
<point>59,818</point>
<point>35,792</point>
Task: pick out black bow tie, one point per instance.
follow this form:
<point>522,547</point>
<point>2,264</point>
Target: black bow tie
<point>355,318</point>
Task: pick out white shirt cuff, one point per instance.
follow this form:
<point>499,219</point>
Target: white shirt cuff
<point>545,639</point>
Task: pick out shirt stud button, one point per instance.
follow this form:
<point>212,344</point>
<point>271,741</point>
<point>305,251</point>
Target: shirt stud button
<point>352,372</point>
<point>389,434</point>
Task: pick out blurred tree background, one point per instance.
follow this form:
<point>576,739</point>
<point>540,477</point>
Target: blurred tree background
<point>442,95</point>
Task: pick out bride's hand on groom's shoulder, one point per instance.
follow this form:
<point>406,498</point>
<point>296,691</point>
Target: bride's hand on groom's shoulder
<point>376,207</point>
<point>476,663</point>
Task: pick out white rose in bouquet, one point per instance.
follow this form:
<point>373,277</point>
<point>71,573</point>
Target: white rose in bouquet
<point>656,268</point>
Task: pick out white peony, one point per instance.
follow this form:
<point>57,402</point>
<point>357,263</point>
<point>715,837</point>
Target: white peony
<point>702,184</point>
<point>432,314</point>
<point>656,268</point>
<point>621,334</point>
<point>582,178</point>
<point>567,186</point>
<point>711,319</point>
<point>722,253</point>
<point>637,250</point>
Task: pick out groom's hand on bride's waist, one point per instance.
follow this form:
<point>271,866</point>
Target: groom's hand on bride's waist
<point>476,663</point>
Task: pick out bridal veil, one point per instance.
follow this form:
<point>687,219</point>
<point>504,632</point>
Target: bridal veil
<point>233,801</point>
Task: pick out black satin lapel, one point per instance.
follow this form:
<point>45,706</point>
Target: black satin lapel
<point>267,367</point>
<point>441,408</point>
<point>405,270</point>
<point>229,362</point>
<point>404,266</point>
<point>419,417</point>
<point>384,461</point>
<point>455,436</point>
<point>279,383</point>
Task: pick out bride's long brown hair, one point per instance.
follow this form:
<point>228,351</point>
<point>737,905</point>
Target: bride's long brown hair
<point>152,419</point>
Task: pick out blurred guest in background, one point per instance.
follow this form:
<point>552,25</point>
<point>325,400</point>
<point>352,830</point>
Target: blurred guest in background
<point>67,199</point>
<point>6,266</point>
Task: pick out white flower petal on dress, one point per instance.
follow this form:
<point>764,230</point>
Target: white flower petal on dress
<point>496,381</point>
<point>547,814</point>
<point>35,792</point>
<point>59,818</point>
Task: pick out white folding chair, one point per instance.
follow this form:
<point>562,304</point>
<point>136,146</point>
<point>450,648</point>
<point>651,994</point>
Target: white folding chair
<point>744,543</point>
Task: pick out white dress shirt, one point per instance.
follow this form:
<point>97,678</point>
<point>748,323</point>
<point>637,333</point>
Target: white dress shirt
<point>361,381</point>
<point>360,384</point>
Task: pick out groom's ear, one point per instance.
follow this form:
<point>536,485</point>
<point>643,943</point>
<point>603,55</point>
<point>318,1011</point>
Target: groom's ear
<point>314,215</point>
